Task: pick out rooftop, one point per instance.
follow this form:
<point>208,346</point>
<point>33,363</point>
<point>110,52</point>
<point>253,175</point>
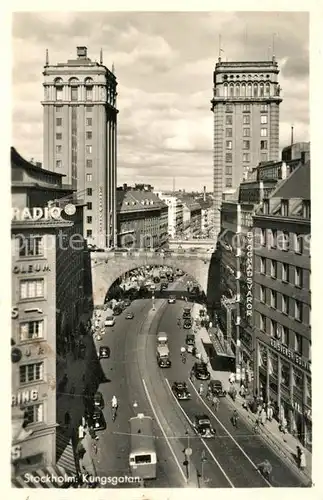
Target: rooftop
<point>135,200</point>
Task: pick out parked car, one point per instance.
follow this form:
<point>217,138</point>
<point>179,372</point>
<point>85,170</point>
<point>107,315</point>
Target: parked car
<point>109,321</point>
<point>171,299</point>
<point>127,302</point>
<point>181,391</point>
<point>200,371</point>
<point>187,323</point>
<point>117,310</point>
<point>190,339</point>
<point>97,420</point>
<point>104,352</point>
<point>98,400</point>
<point>203,427</point>
<point>130,315</point>
<point>215,387</point>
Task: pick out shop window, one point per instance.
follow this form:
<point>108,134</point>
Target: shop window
<point>31,330</point>
<point>285,375</point>
<point>298,379</point>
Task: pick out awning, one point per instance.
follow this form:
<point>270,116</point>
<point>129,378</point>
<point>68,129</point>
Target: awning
<point>47,477</point>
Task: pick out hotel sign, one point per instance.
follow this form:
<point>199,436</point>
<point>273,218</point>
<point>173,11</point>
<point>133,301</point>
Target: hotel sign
<point>303,363</point>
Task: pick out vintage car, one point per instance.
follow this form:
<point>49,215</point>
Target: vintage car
<point>98,400</point>
<point>187,323</point>
<point>215,387</point>
<point>97,420</point>
<point>190,339</point>
<point>163,357</point>
<point>203,427</point>
<point>187,312</point>
<point>180,390</point>
<point>171,299</point>
<point>200,371</point>
<point>104,352</point>
<point>130,315</point>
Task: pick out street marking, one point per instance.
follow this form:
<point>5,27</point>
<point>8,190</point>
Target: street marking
<point>163,432</point>
<point>226,430</point>
<point>206,446</point>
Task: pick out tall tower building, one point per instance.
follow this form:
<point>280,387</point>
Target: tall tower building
<point>80,138</point>
<point>246,99</point>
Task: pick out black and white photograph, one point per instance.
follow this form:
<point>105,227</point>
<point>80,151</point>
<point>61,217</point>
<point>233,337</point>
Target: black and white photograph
<point>160,250</point>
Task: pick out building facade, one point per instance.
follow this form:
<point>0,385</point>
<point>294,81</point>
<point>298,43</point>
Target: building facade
<point>206,217</point>
<point>175,214</point>
<point>236,257</point>
<point>37,229</point>
<point>80,138</point>
<point>245,104</point>
<point>142,219</point>
<point>191,216</point>
<point>282,301</point>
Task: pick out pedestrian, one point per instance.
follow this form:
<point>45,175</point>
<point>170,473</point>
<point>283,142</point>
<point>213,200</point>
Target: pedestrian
<point>201,389</point>
<point>270,412</point>
<point>215,403</point>
<point>298,453</point>
<point>231,378</point>
<point>242,390</point>
<point>283,425</point>
<point>263,416</point>
<point>302,460</point>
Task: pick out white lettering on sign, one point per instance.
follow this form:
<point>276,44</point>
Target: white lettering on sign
<point>30,268</point>
<point>249,273</point>
<point>100,208</point>
<point>24,397</point>
<point>14,312</point>
<point>290,354</point>
<point>15,452</point>
<point>35,213</point>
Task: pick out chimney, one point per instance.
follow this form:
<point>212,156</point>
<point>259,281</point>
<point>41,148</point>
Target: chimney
<point>81,52</point>
<point>204,193</point>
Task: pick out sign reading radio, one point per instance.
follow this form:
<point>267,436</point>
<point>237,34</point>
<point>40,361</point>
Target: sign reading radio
<point>101,208</point>
<point>36,213</point>
<point>30,268</point>
<point>249,273</point>
<point>291,355</point>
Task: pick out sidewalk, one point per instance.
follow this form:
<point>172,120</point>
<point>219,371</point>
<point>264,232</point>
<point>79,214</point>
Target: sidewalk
<point>285,444</point>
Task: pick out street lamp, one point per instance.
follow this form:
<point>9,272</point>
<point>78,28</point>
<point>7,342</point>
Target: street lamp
<point>188,452</point>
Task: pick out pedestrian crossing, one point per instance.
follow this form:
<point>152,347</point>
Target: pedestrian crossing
<point>64,452</point>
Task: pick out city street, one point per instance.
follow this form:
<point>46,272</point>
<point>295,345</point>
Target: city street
<point>230,459</point>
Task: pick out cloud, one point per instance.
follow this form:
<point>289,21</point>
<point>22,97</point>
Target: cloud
<point>164,64</point>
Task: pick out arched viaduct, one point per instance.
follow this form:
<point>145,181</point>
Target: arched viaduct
<point>107,267</point>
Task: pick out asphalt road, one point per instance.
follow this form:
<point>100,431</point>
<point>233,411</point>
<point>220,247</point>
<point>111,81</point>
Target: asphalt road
<point>238,451</point>
<point>133,375</point>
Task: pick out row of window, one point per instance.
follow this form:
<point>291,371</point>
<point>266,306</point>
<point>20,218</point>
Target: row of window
<point>246,120</point>
<point>59,123</point>
<point>282,240</point>
<point>285,272</point>
<point>249,90</point>
<point>59,148</point>
<point>286,308</point>
<point>246,108</point>
<point>88,163</point>
<point>246,143</point>
<point>286,336</point>
<point>74,94</point>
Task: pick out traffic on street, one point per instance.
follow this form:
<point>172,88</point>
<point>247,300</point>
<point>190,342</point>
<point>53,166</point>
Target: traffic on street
<point>153,369</point>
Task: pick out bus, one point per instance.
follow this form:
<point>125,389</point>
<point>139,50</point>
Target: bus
<point>142,457</point>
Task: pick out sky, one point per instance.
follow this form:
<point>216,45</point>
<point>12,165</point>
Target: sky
<point>164,64</point>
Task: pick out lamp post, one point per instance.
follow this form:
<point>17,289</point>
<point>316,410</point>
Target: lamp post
<point>188,452</point>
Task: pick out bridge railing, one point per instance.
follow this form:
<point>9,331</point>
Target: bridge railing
<point>159,255</point>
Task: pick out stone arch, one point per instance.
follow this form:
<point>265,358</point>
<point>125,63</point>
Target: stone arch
<point>107,269</point>
<point>58,81</point>
<point>73,81</point>
<point>225,90</point>
<point>237,89</point>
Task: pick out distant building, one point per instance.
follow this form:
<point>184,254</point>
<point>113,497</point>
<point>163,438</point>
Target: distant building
<point>80,137</point>
<point>236,265</point>
<point>175,213</point>
<point>191,216</point>
<point>48,301</point>
<point>245,104</point>
<point>206,217</point>
<point>142,219</point>
<point>282,301</point>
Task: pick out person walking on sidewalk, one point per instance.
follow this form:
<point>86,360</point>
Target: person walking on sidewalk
<point>302,459</point>
<point>263,416</point>
<point>215,403</point>
<point>270,412</point>
<point>201,389</point>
